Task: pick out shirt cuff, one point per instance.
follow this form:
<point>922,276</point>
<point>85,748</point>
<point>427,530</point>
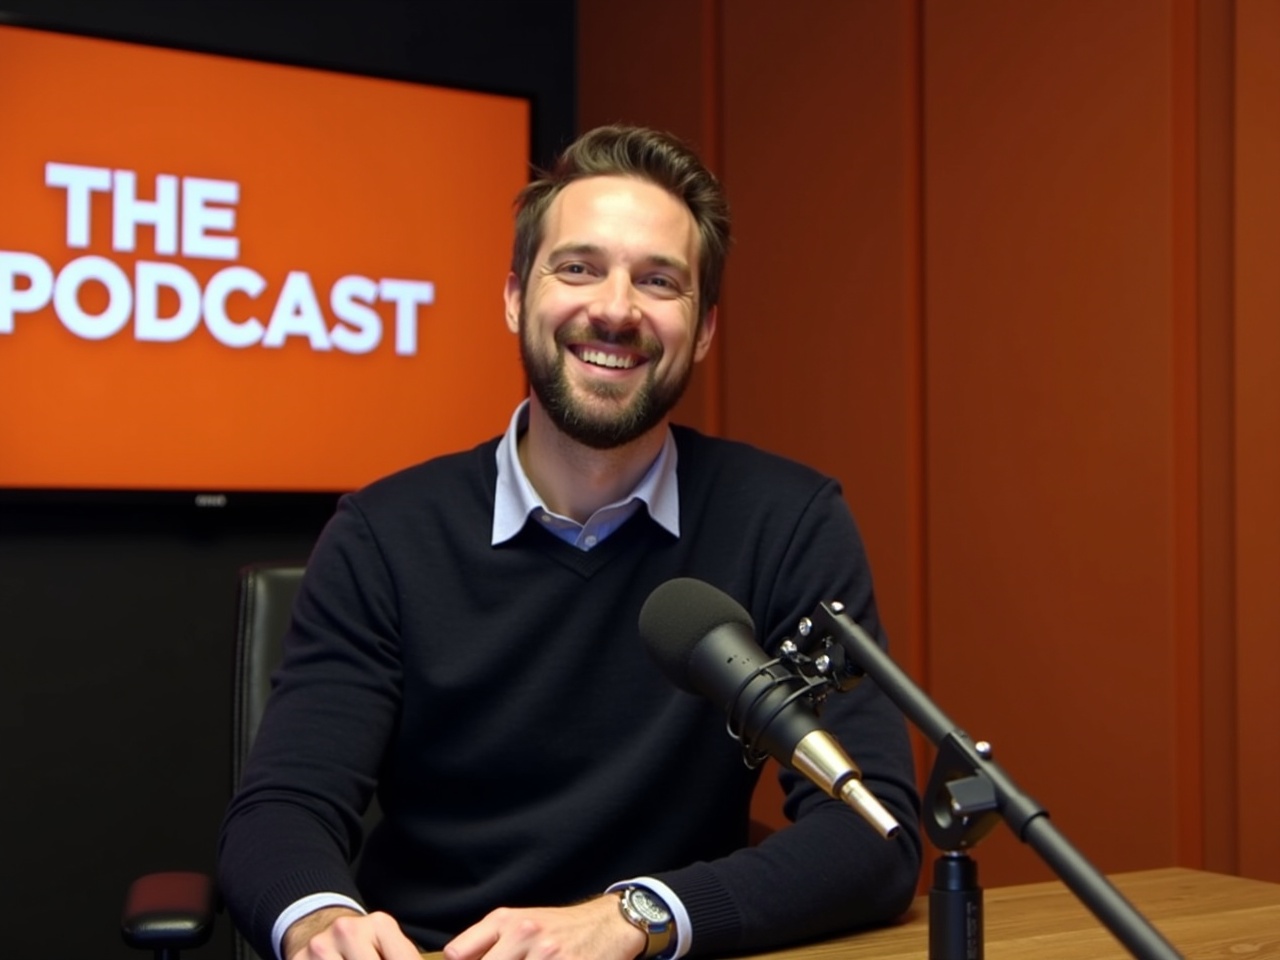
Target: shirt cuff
<point>680,916</point>
<point>300,908</point>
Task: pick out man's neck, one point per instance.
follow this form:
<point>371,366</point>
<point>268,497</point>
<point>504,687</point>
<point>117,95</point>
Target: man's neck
<point>575,480</point>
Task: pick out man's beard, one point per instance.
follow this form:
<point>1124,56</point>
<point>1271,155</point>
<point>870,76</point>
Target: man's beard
<point>612,426</point>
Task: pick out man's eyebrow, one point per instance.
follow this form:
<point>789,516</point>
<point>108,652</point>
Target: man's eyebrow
<point>576,250</point>
<point>673,263</point>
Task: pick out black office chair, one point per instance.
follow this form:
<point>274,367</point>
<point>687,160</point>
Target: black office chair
<point>170,912</point>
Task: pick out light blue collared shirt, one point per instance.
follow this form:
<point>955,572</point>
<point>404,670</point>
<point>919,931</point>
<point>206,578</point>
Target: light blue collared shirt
<point>515,500</point>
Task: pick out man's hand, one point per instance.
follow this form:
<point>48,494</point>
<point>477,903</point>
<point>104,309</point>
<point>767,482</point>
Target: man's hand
<point>338,933</point>
<point>594,930</point>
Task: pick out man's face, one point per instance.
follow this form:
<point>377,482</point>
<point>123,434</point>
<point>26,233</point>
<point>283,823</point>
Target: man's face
<point>608,321</point>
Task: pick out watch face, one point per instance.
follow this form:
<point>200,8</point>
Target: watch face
<point>649,907</point>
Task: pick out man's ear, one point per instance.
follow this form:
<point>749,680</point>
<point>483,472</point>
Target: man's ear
<point>512,295</point>
<point>706,332</point>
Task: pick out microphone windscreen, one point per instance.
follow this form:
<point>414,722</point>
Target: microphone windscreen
<point>677,615</point>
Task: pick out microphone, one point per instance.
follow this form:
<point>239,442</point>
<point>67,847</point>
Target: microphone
<point>704,642</point>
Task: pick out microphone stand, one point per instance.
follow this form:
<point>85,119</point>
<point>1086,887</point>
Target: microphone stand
<point>966,795</point>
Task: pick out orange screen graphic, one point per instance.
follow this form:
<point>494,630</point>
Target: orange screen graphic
<point>218,274</point>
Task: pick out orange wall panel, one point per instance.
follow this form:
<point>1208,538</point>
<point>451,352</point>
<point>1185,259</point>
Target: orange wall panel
<point>1048,253</point>
<point>820,338</point>
<point>1257,407</point>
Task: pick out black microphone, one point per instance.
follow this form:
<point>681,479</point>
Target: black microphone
<point>704,643</point>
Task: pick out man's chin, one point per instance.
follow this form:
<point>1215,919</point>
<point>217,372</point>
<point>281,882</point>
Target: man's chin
<point>603,433</point>
<point>610,393</point>
<point>604,425</point>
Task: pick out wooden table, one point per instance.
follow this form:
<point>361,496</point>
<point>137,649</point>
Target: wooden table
<point>1206,916</point>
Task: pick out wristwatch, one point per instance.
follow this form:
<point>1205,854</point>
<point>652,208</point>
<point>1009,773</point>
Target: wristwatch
<point>645,911</point>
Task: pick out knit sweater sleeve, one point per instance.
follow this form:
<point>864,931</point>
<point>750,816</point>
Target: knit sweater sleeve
<point>827,871</point>
<point>293,827</point>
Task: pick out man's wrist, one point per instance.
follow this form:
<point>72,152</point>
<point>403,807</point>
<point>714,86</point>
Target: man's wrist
<point>301,932</point>
<point>632,937</point>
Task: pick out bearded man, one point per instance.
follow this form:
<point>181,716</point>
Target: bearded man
<point>465,645</point>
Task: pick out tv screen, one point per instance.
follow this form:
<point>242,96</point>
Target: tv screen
<point>220,275</point>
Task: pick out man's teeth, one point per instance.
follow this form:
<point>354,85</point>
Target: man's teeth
<point>602,359</point>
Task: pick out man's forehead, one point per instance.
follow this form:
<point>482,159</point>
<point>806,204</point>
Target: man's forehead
<point>617,205</point>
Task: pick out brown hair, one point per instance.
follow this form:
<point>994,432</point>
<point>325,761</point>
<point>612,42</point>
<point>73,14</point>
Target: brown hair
<point>651,155</point>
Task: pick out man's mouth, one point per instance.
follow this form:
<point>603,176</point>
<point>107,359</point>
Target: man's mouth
<point>600,358</point>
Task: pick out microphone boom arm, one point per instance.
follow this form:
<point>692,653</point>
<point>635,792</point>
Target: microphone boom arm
<point>967,791</point>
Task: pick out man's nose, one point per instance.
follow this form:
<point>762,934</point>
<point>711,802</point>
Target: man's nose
<point>616,303</point>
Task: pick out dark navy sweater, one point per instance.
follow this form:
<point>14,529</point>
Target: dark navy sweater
<point>524,748</point>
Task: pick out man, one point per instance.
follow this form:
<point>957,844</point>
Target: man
<point>465,643</point>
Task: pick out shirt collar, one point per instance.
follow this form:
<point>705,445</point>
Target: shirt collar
<point>515,498</point>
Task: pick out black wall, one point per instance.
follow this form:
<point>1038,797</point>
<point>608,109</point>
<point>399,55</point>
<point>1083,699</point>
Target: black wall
<point>116,619</point>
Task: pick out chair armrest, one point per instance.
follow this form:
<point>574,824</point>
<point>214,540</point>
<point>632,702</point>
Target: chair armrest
<point>169,911</point>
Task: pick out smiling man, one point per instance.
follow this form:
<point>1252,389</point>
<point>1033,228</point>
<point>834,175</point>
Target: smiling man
<point>466,646</point>
<point>610,327</point>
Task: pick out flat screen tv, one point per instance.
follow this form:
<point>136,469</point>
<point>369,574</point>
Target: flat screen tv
<point>221,276</point>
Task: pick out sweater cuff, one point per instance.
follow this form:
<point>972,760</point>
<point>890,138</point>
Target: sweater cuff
<point>302,908</point>
<point>714,920</point>
<point>286,892</point>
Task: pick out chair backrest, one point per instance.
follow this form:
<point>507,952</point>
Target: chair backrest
<point>267,592</point>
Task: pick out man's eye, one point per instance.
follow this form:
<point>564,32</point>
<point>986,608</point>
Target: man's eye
<point>662,283</point>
